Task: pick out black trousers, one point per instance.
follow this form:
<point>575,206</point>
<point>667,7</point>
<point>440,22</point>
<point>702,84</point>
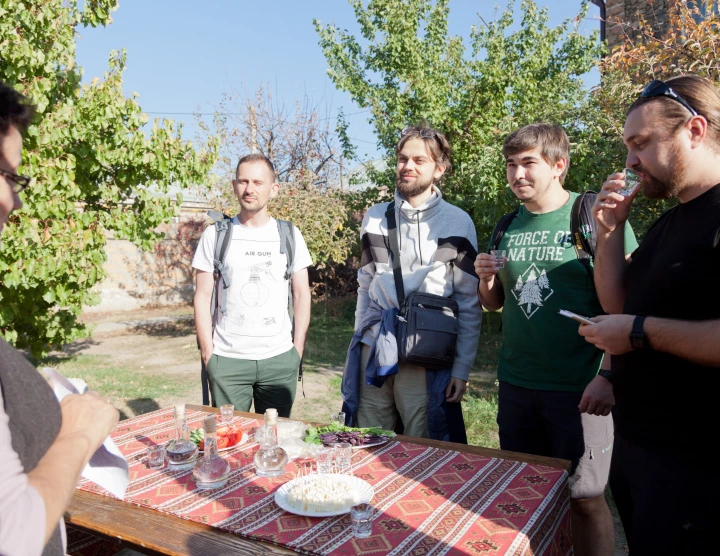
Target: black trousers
<point>666,506</point>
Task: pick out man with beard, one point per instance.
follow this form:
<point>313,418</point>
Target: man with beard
<point>551,401</point>
<point>665,339</point>
<point>438,245</point>
<point>252,355</point>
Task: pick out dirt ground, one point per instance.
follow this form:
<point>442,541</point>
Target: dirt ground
<point>163,343</point>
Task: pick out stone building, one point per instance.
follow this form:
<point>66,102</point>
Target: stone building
<point>623,15</point>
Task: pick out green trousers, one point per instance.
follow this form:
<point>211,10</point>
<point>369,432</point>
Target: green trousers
<point>268,382</point>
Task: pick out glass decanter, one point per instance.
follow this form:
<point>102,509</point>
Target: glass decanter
<point>211,471</point>
<point>270,459</point>
<point>181,453</point>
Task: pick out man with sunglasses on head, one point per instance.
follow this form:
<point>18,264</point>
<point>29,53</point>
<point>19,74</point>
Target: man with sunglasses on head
<point>437,244</point>
<point>44,445</point>
<point>663,330</point>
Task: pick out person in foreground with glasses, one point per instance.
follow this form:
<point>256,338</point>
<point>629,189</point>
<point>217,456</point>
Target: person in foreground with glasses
<point>44,446</point>
<point>437,243</point>
<point>664,328</point>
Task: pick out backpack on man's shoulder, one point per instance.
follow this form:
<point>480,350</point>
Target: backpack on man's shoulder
<point>583,228</point>
<point>223,237</point>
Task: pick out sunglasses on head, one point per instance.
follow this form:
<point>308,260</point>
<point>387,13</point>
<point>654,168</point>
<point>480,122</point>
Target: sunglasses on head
<point>425,133</point>
<point>659,88</point>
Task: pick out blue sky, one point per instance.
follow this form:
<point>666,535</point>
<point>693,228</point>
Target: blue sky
<point>183,54</point>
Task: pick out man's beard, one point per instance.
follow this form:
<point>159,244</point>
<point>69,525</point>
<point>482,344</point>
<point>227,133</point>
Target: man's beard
<point>653,188</point>
<point>413,188</point>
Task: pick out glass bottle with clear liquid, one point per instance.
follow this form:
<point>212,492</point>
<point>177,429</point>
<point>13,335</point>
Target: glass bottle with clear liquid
<point>270,459</point>
<point>181,453</point>
<point>211,471</point>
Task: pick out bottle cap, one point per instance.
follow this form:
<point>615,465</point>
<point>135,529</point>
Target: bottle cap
<point>271,415</point>
<point>209,423</point>
<point>180,411</point>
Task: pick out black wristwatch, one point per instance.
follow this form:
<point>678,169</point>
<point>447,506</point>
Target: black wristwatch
<point>606,373</point>
<point>637,335</point>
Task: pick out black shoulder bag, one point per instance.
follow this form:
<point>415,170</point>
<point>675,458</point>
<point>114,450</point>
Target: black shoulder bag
<point>428,327</point>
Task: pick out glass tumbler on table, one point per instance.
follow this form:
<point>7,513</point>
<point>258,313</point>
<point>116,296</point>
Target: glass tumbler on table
<point>342,451</point>
<point>226,413</point>
<point>324,460</point>
<point>156,456</point>
<point>361,516</point>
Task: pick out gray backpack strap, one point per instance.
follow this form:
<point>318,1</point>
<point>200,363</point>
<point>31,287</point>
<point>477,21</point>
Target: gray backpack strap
<point>287,247</point>
<point>223,236</point>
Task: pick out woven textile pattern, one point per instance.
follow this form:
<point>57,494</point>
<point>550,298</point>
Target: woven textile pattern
<point>428,501</point>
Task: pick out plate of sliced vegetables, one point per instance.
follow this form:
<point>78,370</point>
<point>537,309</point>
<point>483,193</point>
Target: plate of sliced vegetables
<point>328,435</point>
<point>228,436</point>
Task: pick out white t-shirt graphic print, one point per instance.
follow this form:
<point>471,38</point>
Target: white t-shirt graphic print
<point>257,323</point>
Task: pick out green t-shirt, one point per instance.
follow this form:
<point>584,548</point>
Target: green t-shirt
<point>541,349</point>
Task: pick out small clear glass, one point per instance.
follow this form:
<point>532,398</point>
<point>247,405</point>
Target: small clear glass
<point>342,452</point>
<point>499,255</point>
<point>156,456</point>
<point>226,413</point>
<point>361,516</point>
<point>632,182</point>
<point>324,460</point>
<point>337,419</point>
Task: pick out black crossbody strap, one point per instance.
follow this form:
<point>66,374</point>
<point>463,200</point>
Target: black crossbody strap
<point>395,251</point>
<point>501,228</point>
<point>582,229</point>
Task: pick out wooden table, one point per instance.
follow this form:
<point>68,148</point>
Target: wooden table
<point>153,532</point>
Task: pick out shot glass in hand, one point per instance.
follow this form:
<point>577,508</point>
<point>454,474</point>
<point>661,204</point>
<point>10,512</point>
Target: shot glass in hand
<point>156,456</point>
<point>226,413</point>
<point>499,255</point>
<point>361,516</point>
<point>632,182</point>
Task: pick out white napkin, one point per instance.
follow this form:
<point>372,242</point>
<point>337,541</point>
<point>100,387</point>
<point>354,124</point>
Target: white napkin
<point>107,467</point>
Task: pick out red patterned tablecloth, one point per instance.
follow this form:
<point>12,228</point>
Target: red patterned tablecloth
<point>427,500</point>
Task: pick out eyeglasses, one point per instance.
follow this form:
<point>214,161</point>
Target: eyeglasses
<point>659,88</point>
<point>20,182</point>
<point>424,132</point>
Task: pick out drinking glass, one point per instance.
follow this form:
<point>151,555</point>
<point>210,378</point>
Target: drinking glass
<point>324,460</point>
<point>226,413</point>
<point>338,418</point>
<point>632,181</point>
<point>156,456</point>
<point>342,452</point>
<point>499,255</point>
<point>361,516</point>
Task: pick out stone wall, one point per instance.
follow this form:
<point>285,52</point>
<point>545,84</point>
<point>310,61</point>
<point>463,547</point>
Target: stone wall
<point>163,276</point>
<point>623,15</point>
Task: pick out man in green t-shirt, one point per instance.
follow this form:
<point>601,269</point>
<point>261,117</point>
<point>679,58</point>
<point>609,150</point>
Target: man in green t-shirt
<point>552,402</point>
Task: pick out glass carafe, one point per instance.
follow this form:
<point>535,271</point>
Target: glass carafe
<point>270,459</point>
<point>211,471</point>
<point>181,453</point>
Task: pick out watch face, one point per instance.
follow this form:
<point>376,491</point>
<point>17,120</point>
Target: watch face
<point>637,341</point>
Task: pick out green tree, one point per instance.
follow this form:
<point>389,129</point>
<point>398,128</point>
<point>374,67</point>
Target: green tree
<point>97,172</point>
<point>407,68</point>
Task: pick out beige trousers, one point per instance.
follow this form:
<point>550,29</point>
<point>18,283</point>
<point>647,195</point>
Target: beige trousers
<point>403,396</point>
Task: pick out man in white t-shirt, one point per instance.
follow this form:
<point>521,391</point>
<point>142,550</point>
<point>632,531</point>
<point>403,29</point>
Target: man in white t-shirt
<point>253,354</point>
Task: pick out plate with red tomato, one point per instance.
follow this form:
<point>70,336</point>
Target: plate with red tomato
<point>228,436</point>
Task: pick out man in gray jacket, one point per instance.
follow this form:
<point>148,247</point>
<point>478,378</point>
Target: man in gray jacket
<point>438,245</point>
